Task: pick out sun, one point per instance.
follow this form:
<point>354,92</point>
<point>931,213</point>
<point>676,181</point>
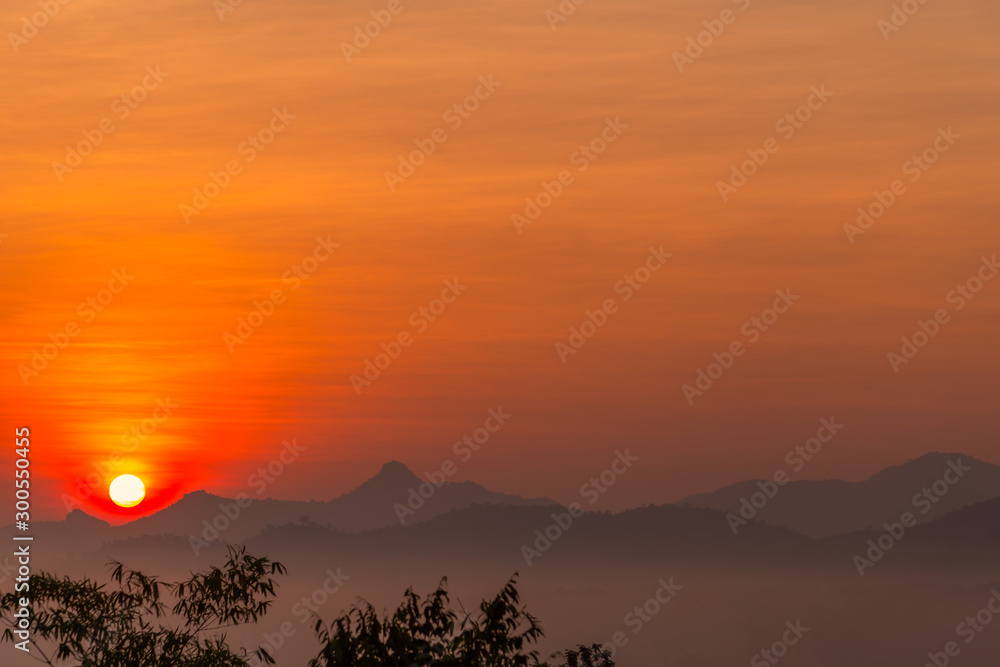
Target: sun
<point>127,491</point>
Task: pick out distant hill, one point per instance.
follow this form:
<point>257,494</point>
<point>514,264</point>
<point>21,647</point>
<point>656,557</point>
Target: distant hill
<point>378,502</point>
<point>833,507</point>
<point>975,526</point>
<point>464,525</point>
<point>77,533</point>
<point>492,536</point>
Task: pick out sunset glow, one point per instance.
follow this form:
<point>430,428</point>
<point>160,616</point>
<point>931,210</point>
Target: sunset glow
<point>144,335</point>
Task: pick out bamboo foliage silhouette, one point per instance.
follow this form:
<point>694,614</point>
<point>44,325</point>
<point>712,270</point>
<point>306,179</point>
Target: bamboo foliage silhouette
<point>128,624</point>
<point>140,621</point>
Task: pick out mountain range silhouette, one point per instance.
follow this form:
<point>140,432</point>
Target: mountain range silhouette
<point>804,521</point>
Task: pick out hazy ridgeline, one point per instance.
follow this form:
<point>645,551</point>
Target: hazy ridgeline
<point>670,585</point>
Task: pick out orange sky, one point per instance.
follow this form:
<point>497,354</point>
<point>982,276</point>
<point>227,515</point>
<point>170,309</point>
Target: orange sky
<point>323,176</point>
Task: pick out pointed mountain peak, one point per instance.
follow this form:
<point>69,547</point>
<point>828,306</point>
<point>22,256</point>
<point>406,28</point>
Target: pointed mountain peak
<point>199,496</point>
<point>80,518</point>
<point>395,473</point>
<point>395,469</point>
<point>390,478</point>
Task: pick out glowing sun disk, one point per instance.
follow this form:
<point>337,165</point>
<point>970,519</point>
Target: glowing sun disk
<point>127,490</point>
